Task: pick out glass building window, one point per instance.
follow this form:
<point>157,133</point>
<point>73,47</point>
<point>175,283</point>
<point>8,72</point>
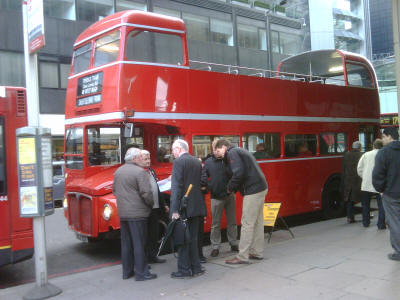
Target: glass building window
<point>12,71</point>
<point>262,39</point>
<point>64,9</point>
<point>48,74</point>
<point>247,36</point>
<point>126,5</point>
<point>154,47</point>
<point>221,32</point>
<point>197,27</point>
<point>82,58</point>
<point>285,43</point>
<point>107,48</point>
<point>92,10</point>
<point>348,44</point>
<point>10,4</point>
<point>167,12</point>
<point>64,73</point>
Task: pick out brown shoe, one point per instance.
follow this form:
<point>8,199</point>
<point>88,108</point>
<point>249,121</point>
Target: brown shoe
<point>215,253</point>
<point>236,261</point>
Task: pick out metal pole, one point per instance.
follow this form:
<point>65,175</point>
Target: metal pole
<point>43,289</point>
<point>396,46</point>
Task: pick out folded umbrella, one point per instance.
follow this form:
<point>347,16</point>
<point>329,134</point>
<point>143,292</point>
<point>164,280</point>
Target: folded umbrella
<point>176,231</point>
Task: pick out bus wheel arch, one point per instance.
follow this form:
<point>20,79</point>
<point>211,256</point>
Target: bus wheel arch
<point>332,201</point>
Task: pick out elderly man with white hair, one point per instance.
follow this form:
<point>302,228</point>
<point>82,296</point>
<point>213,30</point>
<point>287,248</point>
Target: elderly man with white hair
<point>186,170</point>
<point>134,195</point>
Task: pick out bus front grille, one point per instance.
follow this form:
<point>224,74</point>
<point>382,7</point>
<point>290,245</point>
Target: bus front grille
<point>80,213</point>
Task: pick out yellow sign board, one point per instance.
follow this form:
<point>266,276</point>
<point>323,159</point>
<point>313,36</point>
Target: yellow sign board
<point>271,211</point>
<point>26,150</point>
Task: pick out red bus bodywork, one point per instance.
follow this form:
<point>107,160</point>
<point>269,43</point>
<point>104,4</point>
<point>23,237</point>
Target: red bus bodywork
<point>16,235</point>
<point>174,99</point>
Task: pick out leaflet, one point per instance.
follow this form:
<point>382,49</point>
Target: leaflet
<point>164,185</point>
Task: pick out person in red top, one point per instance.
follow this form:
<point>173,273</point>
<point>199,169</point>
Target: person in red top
<point>304,151</point>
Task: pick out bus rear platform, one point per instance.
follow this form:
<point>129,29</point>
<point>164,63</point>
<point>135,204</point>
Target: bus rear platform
<point>326,260</point>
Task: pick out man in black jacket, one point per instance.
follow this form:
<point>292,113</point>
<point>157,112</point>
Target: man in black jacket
<point>386,180</point>
<point>186,170</point>
<point>215,177</point>
<point>250,180</point>
<point>159,209</point>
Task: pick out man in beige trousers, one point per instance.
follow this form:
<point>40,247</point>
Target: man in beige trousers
<point>250,180</point>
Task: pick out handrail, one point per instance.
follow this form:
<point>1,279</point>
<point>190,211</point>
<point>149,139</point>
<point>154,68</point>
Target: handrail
<point>239,70</point>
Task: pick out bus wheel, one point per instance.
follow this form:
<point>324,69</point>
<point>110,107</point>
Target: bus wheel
<point>332,202</point>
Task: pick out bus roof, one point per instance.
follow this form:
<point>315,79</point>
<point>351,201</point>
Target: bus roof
<point>131,17</point>
<point>320,62</point>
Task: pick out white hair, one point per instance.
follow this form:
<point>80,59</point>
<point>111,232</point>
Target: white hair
<point>144,152</point>
<point>181,144</point>
<point>132,153</point>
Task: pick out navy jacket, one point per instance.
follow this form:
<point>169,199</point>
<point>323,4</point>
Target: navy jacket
<point>215,176</point>
<point>386,173</point>
<point>186,170</point>
<point>246,173</point>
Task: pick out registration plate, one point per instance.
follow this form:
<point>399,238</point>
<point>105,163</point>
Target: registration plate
<point>83,238</point>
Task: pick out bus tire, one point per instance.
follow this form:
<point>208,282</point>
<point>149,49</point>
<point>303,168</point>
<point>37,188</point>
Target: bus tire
<point>332,202</point>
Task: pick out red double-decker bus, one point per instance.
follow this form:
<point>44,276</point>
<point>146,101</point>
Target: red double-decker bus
<point>132,83</point>
<point>16,235</point>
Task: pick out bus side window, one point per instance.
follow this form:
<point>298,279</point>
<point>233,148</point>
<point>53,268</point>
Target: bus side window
<point>3,190</point>
<point>202,144</point>
<point>164,144</point>
<point>332,143</point>
<point>263,145</point>
<point>300,145</point>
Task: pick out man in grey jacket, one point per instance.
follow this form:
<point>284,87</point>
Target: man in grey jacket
<point>134,195</point>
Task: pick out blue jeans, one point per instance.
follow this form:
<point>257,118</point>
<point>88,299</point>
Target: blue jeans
<point>366,202</point>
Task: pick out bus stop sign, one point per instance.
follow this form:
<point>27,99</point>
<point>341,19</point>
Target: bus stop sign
<point>35,178</point>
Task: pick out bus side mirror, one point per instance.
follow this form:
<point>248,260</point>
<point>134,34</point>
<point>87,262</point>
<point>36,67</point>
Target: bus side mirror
<point>128,130</point>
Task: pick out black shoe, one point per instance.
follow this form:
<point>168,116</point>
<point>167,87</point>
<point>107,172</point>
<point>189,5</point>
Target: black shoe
<point>382,227</point>
<point>366,225</point>
<point>198,273</point>
<point>156,260</point>
<point>251,256</point>
<point>234,248</point>
<point>394,256</point>
<point>214,253</point>
<point>180,275</point>
<point>128,275</point>
<point>148,276</point>
<point>203,260</point>
<point>349,220</point>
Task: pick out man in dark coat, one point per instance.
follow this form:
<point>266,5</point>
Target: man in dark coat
<point>186,170</point>
<point>250,180</point>
<point>351,182</point>
<point>134,196</point>
<point>159,209</point>
<point>214,178</point>
<point>386,180</point>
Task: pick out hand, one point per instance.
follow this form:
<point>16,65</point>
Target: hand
<point>166,208</point>
<point>175,216</point>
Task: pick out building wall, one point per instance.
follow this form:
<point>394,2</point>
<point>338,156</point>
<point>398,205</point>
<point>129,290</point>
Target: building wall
<point>381,27</point>
<point>321,24</point>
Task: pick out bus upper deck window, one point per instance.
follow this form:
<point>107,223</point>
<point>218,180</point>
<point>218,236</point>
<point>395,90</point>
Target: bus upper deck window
<point>147,46</point>
<point>82,58</point>
<point>358,75</point>
<point>106,49</point>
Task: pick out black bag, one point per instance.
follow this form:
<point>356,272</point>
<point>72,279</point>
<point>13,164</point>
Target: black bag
<point>181,234</point>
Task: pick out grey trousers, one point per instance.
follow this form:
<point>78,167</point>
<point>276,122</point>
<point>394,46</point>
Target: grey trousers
<point>217,208</point>
<point>392,212</point>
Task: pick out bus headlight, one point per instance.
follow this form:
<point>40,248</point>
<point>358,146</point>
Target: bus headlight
<point>107,212</point>
<point>65,202</point>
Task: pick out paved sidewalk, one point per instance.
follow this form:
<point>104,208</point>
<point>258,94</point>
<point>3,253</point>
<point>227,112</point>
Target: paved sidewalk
<point>326,260</point>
